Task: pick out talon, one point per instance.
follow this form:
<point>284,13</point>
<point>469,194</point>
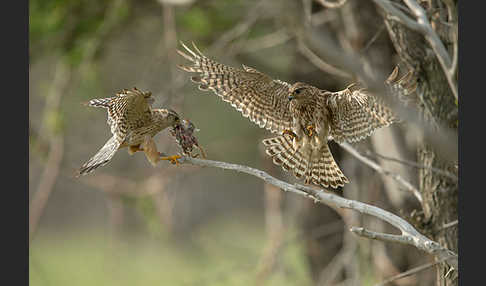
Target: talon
<point>310,128</point>
<point>172,159</point>
<point>289,132</point>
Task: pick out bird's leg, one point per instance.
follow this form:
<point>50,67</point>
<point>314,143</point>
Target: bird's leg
<point>172,159</point>
<point>150,150</point>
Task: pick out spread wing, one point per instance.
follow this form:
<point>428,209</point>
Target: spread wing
<point>128,110</point>
<point>355,113</point>
<point>257,96</point>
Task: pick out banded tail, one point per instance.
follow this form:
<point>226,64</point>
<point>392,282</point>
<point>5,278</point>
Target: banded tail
<point>101,158</point>
<point>101,102</point>
<point>317,166</point>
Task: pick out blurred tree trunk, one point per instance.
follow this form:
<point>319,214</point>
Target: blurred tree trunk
<point>437,103</point>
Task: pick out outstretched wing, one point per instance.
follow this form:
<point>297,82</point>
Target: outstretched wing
<point>257,96</point>
<point>128,110</point>
<point>355,113</point>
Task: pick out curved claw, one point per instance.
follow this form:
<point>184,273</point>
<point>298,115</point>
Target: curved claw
<point>289,132</point>
<point>310,128</point>
<point>172,159</point>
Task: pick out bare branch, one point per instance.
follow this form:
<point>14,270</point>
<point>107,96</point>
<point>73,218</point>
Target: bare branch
<point>318,62</point>
<point>408,186</point>
<point>240,28</point>
<point>264,42</point>
<point>450,224</point>
<point>450,175</point>
<point>380,236</point>
<point>410,272</point>
<point>422,25</point>
<point>332,5</point>
<point>372,40</point>
<point>413,237</point>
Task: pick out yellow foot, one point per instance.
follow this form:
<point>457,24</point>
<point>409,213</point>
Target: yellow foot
<point>172,159</point>
<point>289,132</point>
<point>310,128</point>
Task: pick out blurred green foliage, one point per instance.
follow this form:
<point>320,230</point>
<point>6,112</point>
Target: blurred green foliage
<point>67,27</point>
<point>221,253</point>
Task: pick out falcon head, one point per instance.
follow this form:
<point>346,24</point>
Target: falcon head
<point>173,117</point>
<point>166,117</point>
<point>299,91</point>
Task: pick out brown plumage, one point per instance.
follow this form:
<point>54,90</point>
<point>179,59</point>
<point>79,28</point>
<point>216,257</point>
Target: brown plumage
<point>133,124</point>
<point>305,116</point>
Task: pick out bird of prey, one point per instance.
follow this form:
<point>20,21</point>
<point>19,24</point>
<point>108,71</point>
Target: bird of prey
<point>133,124</point>
<point>304,116</point>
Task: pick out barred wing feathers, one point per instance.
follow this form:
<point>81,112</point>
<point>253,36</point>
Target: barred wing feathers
<point>257,96</point>
<point>128,110</point>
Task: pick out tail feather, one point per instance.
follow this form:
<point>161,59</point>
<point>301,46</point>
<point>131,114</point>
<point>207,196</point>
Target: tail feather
<point>101,158</point>
<point>316,166</point>
<point>330,174</point>
<point>100,102</point>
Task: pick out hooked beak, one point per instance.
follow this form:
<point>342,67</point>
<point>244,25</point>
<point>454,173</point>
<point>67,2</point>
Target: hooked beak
<point>291,97</point>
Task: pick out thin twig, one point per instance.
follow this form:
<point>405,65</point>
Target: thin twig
<point>410,272</point>
<point>240,28</point>
<point>408,186</point>
<point>370,153</point>
<point>450,224</point>
<point>332,5</point>
<point>398,238</point>
<point>372,40</point>
<point>267,41</point>
<point>318,62</point>
<point>412,236</point>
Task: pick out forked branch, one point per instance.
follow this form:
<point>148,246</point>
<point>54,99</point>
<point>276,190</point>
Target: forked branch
<point>409,235</point>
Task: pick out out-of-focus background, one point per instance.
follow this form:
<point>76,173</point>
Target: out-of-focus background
<point>131,224</point>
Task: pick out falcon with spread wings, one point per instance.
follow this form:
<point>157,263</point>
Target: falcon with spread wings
<point>133,124</point>
<point>304,116</point>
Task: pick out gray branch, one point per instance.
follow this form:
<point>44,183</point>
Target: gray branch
<point>408,186</point>
<point>422,25</point>
<point>409,234</point>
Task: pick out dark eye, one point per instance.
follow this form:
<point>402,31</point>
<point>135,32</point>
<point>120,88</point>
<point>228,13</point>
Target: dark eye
<point>297,91</point>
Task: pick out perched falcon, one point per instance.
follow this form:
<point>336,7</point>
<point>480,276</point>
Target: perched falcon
<point>305,116</point>
<point>133,123</point>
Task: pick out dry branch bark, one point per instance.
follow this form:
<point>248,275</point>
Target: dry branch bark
<point>420,47</point>
<point>409,235</point>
